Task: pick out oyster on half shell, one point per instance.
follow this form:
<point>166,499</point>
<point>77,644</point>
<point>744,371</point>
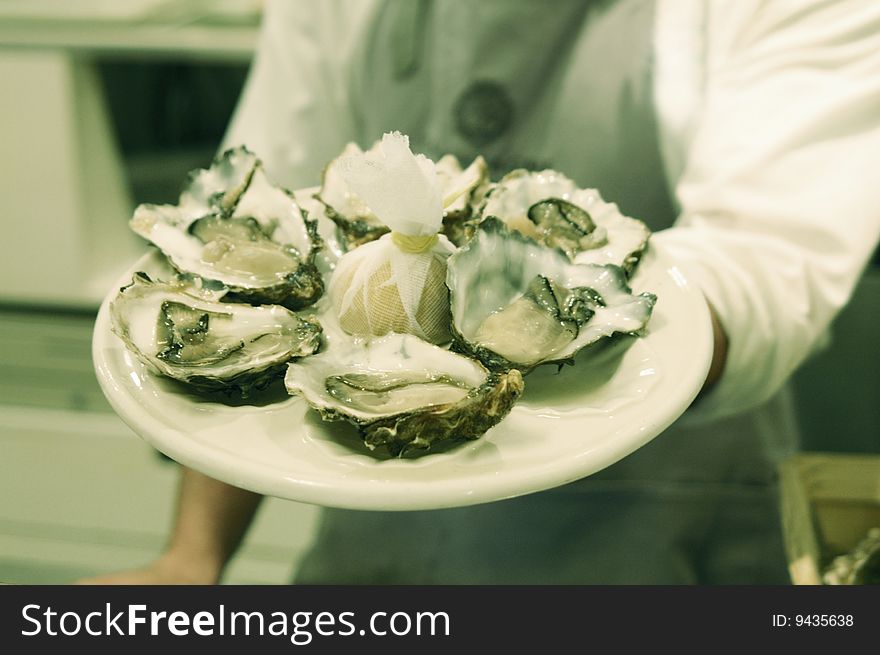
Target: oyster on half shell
<point>548,207</point>
<point>518,304</point>
<point>359,225</point>
<point>212,346</point>
<point>233,226</point>
<point>356,222</point>
<point>404,393</point>
<point>464,191</point>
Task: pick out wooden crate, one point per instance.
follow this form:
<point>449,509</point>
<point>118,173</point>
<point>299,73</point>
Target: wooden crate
<point>829,502</point>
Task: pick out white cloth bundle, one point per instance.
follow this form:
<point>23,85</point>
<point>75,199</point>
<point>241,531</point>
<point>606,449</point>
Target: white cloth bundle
<point>397,283</point>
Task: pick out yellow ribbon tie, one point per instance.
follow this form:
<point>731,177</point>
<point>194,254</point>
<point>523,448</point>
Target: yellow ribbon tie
<point>413,245</point>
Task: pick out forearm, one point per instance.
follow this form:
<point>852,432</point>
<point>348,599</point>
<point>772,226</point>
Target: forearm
<point>210,521</point>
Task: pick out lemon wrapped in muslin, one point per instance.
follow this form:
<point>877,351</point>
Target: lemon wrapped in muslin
<point>398,282</point>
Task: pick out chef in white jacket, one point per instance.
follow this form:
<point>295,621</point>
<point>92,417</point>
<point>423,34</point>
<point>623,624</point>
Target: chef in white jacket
<point>746,134</point>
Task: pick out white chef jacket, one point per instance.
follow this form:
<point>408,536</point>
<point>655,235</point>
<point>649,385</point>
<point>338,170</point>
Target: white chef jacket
<point>749,130</point>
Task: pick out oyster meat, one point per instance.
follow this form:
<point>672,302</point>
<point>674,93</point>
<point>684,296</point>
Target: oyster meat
<point>548,207</point>
<point>404,393</point>
<point>518,304</point>
<point>213,346</point>
<point>233,226</point>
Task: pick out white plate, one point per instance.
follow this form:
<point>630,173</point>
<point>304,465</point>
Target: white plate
<point>566,426</point>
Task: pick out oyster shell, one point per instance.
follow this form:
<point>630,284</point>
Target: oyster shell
<point>548,207</point>
<point>359,225</point>
<point>464,190</point>
<point>219,187</point>
<point>176,331</point>
<point>518,304</point>
<point>233,226</point>
<point>404,393</point>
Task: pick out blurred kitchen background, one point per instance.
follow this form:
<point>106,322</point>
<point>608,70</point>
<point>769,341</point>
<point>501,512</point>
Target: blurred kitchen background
<point>106,104</point>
